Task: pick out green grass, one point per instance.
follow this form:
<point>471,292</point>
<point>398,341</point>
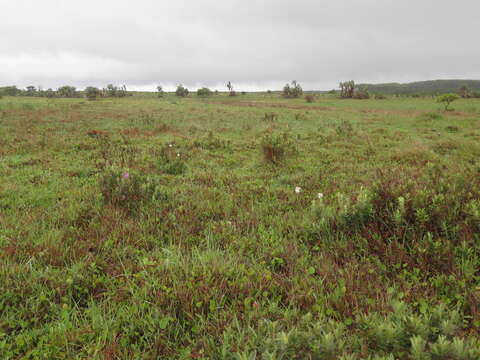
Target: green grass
<point>147,228</point>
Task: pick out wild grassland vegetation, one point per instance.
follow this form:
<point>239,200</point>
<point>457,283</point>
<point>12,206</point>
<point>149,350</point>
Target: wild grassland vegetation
<point>252,227</point>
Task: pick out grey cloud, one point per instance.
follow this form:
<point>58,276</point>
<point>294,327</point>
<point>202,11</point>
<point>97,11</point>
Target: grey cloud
<point>256,44</point>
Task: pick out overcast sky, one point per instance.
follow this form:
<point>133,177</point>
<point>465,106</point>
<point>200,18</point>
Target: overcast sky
<point>256,44</point>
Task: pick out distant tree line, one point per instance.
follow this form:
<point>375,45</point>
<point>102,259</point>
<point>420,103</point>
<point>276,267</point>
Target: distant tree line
<point>66,92</point>
<point>182,91</point>
<point>347,90</point>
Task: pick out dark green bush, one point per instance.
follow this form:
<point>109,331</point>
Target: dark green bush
<point>181,91</point>
<point>67,92</point>
<point>204,92</point>
<point>92,93</point>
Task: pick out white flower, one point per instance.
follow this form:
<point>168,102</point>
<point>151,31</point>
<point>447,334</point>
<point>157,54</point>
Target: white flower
<point>298,190</point>
<point>170,145</point>
<point>178,154</point>
<point>320,195</point>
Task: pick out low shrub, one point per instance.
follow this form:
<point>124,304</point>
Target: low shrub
<point>345,128</point>
<point>452,129</point>
<point>401,334</point>
<point>270,117</point>
<point>276,147</point>
<point>401,208</point>
<point>212,142</point>
<point>174,167</point>
<point>432,116</point>
<point>310,98</point>
<point>126,190</point>
<point>170,161</point>
<point>204,92</point>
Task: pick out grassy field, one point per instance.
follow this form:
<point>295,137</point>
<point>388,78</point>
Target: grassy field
<point>247,227</point>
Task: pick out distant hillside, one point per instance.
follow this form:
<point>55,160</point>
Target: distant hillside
<point>423,87</point>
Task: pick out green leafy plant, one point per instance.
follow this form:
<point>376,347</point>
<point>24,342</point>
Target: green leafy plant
<point>447,99</point>
<point>204,92</point>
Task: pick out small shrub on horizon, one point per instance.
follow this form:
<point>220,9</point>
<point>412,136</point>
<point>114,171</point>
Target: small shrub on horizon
<point>181,91</point>
<point>67,92</point>
<point>292,91</point>
<point>92,93</point>
<point>231,91</point>
<point>204,92</point>
<point>115,91</point>
<point>160,92</point>
<point>49,93</point>
<point>361,94</point>
<point>347,89</point>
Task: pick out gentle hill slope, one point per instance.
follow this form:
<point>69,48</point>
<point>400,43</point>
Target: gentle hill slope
<point>423,87</point>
